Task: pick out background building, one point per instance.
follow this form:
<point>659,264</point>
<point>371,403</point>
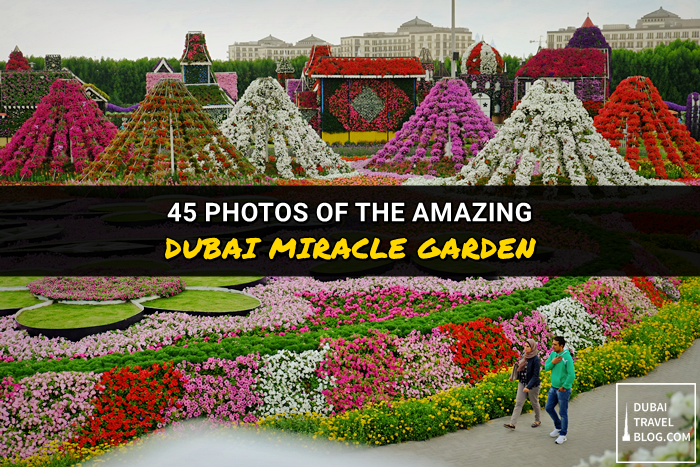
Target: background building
<point>406,41</point>
<point>272,47</point>
<point>658,27</point>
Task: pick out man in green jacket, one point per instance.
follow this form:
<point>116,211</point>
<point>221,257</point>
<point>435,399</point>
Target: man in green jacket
<point>561,364</point>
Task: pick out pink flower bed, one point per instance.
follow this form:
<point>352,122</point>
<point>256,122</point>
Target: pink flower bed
<point>364,370</point>
<point>428,364</point>
<point>221,390</point>
<point>28,405</point>
<point>228,81</point>
<point>612,312</point>
<point>523,327</point>
<point>153,78</point>
<point>105,288</point>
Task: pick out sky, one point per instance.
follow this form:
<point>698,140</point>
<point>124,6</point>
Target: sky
<point>156,28</point>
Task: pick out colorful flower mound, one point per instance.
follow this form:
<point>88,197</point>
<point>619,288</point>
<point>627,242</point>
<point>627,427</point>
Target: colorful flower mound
<point>265,112</point>
<point>551,129</point>
<point>369,105</point>
<point>448,114</point>
<point>195,49</point>
<point>481,59</point>
<point>360,66</point>
<point>143,147</point>
<point>636,114</point>
<point>17,62</point>
<point>588,37</point>
<point>66,129</point>
<point>105,288</point>
<point>564,63</point>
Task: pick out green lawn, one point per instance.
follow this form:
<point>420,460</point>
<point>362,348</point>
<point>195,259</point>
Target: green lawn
<point>214,281</point>
<point>17,281</point>
<point>17,299</point>
<point>62,316</point>
<point>205,301</point>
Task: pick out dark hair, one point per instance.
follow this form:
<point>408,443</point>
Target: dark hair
<point>560,340</point>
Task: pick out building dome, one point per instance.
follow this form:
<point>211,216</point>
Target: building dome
<point>482,59</point>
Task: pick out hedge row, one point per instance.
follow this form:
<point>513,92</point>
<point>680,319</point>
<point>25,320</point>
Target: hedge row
<point>505,306</point>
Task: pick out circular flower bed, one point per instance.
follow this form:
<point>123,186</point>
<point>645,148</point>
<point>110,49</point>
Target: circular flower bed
<point>105,288</point>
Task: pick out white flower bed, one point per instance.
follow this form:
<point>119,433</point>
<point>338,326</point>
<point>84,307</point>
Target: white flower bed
<point>289,384</point>
<point>569,319</point>
<point>265,112</point>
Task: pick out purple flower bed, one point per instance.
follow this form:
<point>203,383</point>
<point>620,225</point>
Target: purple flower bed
<point>116,108</point>
<point>105,288</point>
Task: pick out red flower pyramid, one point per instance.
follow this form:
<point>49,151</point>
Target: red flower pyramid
<point>143,148</point>
<point>636,113</point>
<point>17,62</point>
<point>66,128</point>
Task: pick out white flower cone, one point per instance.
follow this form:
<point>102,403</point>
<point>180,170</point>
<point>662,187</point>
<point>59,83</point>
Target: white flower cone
<point>265,111</point>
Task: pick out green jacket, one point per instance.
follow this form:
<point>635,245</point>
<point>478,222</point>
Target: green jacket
<point>563,372</point>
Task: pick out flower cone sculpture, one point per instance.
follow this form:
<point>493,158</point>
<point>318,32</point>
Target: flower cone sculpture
<point>635,115</point>
<point>265,112</point>
<point>449,111</point>
<point>66,128</point>
<point>170,134</point>
<point>551,126</point>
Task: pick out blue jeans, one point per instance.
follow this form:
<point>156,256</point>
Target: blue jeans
<point>554,397</point>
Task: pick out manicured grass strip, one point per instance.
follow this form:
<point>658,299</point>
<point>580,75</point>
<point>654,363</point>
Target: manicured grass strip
<point>215,281</point>
<point>63,316</point>
<point>641,348</point>
<point>17,281</point>
<point>17,299</point>
<point>505,306</point>
<point>205,300</point>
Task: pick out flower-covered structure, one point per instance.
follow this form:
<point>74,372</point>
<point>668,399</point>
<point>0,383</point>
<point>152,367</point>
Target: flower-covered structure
<point>636,115</point>
<point>17,61</point>
<point>21,92</point>
<point>66,130</point>
<point>169,134</point>
<point>589,36</point>
<point>285,71</point>
<point>201,82</point>
<point>228,81</point>
<point>484,72</point>
<point>265,114</point>
<point>586,72</point>
<point>549,134</point>
<point>447,124</point>
<point>362,99</point>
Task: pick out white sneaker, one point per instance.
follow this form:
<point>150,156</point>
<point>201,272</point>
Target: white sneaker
<point>555,433</point>
<point>561,439</point>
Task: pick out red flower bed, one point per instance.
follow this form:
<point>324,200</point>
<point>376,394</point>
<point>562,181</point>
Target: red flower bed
<point>130,403</point>
<point>645,285</point>
<point>649,222</point>
<point>317,52</point>
<point>367,66</point>
<point>480,347</point>
<point>307,100</point>
<point>637,113</point>
<point>564,63</point>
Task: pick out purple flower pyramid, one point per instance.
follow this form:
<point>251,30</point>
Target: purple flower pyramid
<point>448,113</point>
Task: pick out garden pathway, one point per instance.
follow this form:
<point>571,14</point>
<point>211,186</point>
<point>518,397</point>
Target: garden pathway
<point>591,428</point>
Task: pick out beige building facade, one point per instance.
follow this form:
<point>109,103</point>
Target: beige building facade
<point>272,47</point>
<point>657,27</point>
<point>406,41</point>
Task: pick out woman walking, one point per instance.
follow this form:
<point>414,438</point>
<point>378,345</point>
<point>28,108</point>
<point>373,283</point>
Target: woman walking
<point>528,384</point>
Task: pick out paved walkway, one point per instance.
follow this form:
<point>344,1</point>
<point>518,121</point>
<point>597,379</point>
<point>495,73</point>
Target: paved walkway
<point>591,427</point>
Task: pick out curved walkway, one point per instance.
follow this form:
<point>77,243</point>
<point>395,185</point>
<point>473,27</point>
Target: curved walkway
<point>591,428</point>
